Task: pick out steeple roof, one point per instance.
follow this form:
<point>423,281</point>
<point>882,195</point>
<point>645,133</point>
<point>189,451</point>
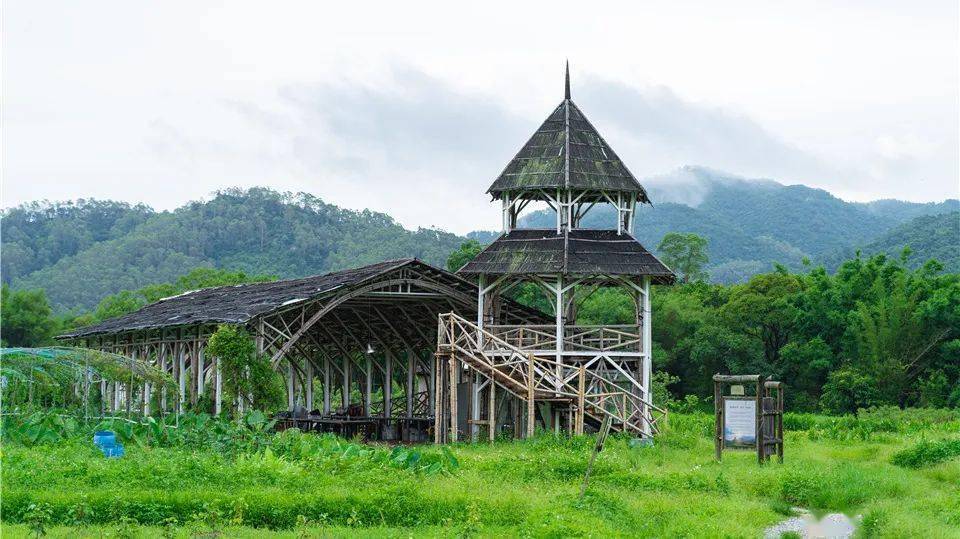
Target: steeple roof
<point>567,152</point>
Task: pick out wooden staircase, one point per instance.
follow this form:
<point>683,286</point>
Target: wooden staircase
<point>592,393</point>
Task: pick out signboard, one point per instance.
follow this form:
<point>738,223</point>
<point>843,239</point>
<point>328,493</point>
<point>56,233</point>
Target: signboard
<point>736,390</point>
<point>739,422</point>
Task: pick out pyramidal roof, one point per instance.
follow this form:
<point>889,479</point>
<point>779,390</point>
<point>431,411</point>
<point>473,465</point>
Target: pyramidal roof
<point>567,152</point>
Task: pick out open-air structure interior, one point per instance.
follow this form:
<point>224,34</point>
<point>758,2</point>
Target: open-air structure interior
<point>402,350</point>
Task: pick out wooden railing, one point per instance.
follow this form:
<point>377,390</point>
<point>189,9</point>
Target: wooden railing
<point>531,377</point>
<point>576,338</point>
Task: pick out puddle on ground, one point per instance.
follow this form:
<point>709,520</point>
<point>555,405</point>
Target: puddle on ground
<point>808,526</point>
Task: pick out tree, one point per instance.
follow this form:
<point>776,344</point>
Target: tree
<point>764,309</point>
<point>245,375</point>
<point>686,254</point>
<point>25,318</point>
<point>468,251</point>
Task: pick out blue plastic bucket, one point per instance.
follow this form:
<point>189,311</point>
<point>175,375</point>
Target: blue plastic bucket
<point>104,438</point>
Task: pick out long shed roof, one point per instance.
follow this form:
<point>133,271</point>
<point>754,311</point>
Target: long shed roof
<point>241,303</point>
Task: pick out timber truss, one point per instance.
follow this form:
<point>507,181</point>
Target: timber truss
<point>586,390</point>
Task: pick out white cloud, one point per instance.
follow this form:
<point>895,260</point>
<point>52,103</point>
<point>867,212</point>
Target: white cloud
<point>414,110</point>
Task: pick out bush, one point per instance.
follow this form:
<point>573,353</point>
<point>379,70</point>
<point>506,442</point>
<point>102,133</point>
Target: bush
<point>847,390</point>
<point>927,453</point>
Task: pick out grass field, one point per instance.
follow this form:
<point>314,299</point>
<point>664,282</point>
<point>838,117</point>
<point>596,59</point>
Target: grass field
<point>308,486</point>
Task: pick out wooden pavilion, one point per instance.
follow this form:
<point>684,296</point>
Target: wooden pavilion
<point>400,349</point>
<point>567,374</point>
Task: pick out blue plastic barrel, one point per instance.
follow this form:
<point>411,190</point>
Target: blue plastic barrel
<point>104,438</point>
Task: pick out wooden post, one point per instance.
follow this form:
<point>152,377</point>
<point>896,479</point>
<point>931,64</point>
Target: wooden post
<point>345,389</point>
<point>492,411</point>
<point>200,370</point>
<point>326,385</point>
<point>453,399</point>
<point>411,377</point>
<point>759,420</point>
<point>367,385</point>
<point>581,400</point>
<point>217,388</point>
<point>531,410</point>
<point>308,384</point>
<point>718,420</point>
<point>388,385</point>
<point>597,448</point>
<point>437,405</point>
<point>291,387</point>
<point>181,377</point>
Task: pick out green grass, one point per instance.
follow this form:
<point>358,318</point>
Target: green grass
<point>674,489</point>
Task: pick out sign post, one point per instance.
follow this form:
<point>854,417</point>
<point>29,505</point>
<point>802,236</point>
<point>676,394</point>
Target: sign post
<point>748,421</point>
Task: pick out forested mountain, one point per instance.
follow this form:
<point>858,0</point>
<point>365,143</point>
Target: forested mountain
<point>927,236</point>
<point>751,224</point>
<point>257,231</point>
<point>81,251</point>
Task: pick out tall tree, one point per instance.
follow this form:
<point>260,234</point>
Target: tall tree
<point>25,318</point>
<point>685,253</point>
<point>468,251</point>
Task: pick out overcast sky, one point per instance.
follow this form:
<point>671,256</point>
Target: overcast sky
<point>414,110</point>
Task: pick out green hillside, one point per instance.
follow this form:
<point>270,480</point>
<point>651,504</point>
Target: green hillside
<point>752,224</point>
<point>927,236</point>
<point>258,231</point>
<point>82,251</point>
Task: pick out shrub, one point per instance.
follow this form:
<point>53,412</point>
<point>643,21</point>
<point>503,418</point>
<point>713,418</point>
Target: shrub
<point>847,390</point>
<point>927,453</point>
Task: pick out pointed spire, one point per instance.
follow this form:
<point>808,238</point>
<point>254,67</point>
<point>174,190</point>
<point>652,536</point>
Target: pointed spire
<point>566,88</point>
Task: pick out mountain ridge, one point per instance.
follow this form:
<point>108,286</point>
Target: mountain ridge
<point>81,251</point>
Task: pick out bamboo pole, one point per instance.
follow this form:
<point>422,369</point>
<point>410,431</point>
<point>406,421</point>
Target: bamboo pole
<point>531,411</point>
<point>437,393</point>
<point>492,411</point>
<point>453,399</point>
<point>581,398</point>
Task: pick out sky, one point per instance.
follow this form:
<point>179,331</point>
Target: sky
<point>413,109</point>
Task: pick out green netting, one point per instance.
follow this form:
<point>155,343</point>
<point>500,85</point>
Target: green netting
<point>62,374</point>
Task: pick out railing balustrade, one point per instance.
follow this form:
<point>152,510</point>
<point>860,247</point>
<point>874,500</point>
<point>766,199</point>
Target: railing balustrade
<point>576,338</point>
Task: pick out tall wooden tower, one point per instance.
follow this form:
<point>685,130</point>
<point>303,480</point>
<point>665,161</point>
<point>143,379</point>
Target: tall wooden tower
<point>568,374</point>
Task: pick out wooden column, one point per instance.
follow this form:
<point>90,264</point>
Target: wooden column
<point>201,368</point>
<point>411,377</point>
<point>453,399</point>
<point>718,419</point>
<point>345,388</point>
<point>531,410</point>
<point>368,385</point>
<point>181,377</point>
<point>217,388</point>
<point>326,385</point>
<point>291,386</point>
<point>308,384</point>
<point>581,399</point>
<point>436,401</point>
<point>492,411</point>
<point>163,367</point>
<point>759,421</point>
<point>388,385</point>
<point>647,357</point>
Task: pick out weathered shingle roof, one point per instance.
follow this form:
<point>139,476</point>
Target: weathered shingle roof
<point>576,252</point>
<point>241,303</point>
<point>567,152</point>
<point>234,304</point>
